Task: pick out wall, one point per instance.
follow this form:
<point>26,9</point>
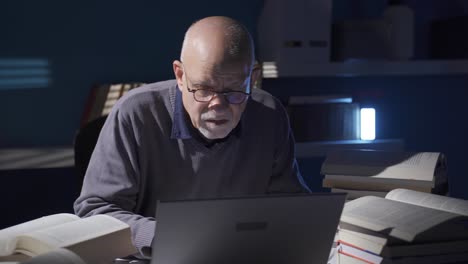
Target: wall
<point>87,43</point>
<point>93,42</point>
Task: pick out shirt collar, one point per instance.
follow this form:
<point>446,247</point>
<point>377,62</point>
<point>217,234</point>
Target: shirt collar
<point>182,127</point>
<point>180,130</point>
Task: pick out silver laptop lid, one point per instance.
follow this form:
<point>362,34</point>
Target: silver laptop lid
<point>293,229</point>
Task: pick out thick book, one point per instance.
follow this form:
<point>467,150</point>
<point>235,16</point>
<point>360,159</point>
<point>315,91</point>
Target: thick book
<point>385,170</point>
<point>371,244</point>
<point>95,239</point>
<point>406,223</point>
<point>358,253</point>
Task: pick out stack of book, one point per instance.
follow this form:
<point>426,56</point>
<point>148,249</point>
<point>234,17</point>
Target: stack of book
<point>369,172</point>
<point>404,227</point>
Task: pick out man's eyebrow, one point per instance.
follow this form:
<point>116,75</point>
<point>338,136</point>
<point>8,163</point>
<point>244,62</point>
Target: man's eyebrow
<point>205,85</point>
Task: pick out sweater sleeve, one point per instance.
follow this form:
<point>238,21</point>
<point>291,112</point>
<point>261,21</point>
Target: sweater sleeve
<point>112,180</point>
<point>286,176</point>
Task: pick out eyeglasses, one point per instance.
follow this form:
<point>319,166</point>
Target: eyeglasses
<point>206,95</point>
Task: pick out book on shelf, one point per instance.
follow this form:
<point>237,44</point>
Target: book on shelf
<point>406,224</point>
<point>385,170</point>
<point>95,239</point>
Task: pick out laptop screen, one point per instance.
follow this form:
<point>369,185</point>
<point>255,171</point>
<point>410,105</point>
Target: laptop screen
<point>292,229</point>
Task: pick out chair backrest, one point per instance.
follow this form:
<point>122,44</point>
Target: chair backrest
<point>102,98</point>
<point>84,143</point>
<point>100,102</point>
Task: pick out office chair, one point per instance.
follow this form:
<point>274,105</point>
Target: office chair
<point>100,102</point>
<point>84,143</point>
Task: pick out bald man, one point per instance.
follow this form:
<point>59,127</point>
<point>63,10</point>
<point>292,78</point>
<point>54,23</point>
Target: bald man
<point>207,134</point>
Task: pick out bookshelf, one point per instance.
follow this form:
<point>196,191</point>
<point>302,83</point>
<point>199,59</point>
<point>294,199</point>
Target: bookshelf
<point>313,149</point>
<point>36,158</point>
<point>367,68</point>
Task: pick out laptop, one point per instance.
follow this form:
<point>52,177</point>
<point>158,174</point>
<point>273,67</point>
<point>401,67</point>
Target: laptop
<point>287,229</point>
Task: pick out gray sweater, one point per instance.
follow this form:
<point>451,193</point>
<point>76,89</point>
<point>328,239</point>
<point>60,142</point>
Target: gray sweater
<point>149,151</point>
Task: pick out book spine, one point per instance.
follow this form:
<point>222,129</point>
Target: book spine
<point>374,185</point>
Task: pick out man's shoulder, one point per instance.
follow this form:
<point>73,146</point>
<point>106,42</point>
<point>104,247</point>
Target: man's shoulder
<point>148,93</point>
<point>162,87</point>
<point>147,100</point>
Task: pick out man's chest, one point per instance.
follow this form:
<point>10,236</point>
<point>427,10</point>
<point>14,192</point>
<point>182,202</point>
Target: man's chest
<point>190,171</point>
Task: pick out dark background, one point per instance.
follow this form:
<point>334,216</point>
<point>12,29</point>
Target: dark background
<point>95,42</point>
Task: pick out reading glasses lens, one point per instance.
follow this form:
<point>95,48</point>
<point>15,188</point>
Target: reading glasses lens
<point>231,97</point>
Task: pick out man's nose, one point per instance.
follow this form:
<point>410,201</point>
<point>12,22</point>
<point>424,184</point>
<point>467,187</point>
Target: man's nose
<point>218,100</point>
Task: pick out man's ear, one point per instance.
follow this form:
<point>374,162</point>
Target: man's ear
<point>256,76</point>
<point>178,73</point>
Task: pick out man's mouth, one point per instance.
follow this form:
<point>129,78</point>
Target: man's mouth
<point>217,122</point>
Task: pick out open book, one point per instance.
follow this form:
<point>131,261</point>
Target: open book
<point>95,239</point>
<point>406,223</point>
<point>56,256</point>
<point>384,171</point>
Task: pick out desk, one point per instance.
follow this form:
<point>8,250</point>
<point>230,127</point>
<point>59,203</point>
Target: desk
<point>38,181</point>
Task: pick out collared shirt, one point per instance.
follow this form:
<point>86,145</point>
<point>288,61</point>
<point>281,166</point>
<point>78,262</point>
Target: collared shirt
<point>147,152</point>
<point>180,130</point>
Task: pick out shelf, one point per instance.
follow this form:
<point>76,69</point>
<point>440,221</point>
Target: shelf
<point>36,158</point>
<point>367,68</point>
<point>321,148</point>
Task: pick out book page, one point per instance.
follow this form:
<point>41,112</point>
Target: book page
<point>57,256</point>
<point>16,257</point>
<point>381,164</point>
<point>404,221</point>
<point>75,232</point>
<point>111,236</point>
<point>343,258</point>
<point>8,236</point>
<point>449,204</point>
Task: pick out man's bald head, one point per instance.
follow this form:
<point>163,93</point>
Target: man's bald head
<point>216,74</point>
<point>217,40</point>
